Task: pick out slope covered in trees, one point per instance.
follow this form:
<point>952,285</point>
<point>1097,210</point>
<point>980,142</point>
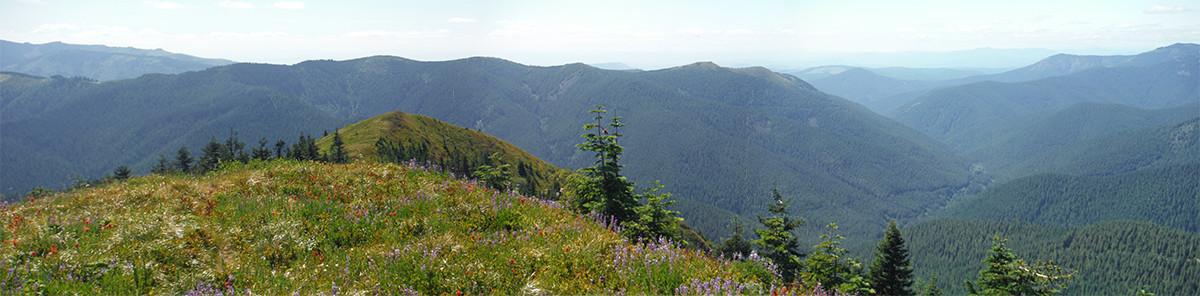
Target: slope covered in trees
<point>692,127</point>
<point>1109,258</point>
<point>1086,139</point>
<point>1168,196</point>
<point>96,61</point>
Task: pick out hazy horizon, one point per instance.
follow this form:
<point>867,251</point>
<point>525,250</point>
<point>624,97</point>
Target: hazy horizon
<point>777,34</point>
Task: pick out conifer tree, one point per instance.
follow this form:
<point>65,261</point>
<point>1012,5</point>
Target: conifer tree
<point>122,172</point>
<point>279,149</point>
<point>234,149</point>
<point>1007,275</point>
<point>337,152</point>
<point>830,266</point>
<point>163,166</point>
<point>495,174</point>
<point>654,220</point>
<point>211,156</point>
<point>736,246</point>
<point>604,189</point>
<point>183,160</point>
<point>931,289</point>
<point>262,152</point>
<point>891,272</point>
<point>776,239</point>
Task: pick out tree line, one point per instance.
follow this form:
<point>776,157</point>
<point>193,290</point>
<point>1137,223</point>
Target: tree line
<point>234,150</point>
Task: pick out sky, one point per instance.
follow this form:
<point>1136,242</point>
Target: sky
<point>643,34</point>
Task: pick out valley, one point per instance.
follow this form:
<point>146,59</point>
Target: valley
<point>1089,161</point>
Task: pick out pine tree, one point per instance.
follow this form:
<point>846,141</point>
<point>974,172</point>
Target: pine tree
<point>891,271</point>
<point>183,160</point>
<point>1007,275</point>
<point>122,172</point>
<point>280,147</point>
<point>495,174</point>
<point>163,166</point>
<point>234,149</point>
<point>337,151</point>
<point>931,289</point>
<point>776,239</point>
<point>830,266</point>
<point>604,190</point>
<point>654,220</point>
<point>211,156</point>
<point>262,152</point>
<point>736,246</point>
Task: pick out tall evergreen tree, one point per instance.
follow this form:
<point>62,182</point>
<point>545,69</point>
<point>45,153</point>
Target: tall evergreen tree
<point>122,172</point>
<point>163,166</point>
<point>891,271</point>
<point>1007,275</point>
<point>305,149</point>
<point>234,150</point>
<point>183,160</point>
<point>830,266</point>
<point>337,152</point>
<point>262,152</point>
<point>604,189</point>
<point>776,239</point>
<point>654,219</point>
<point>736,246</point>
<point>496,174</point>
<point>211,156</point>
<point>279,149</point>
<point>931,289</point>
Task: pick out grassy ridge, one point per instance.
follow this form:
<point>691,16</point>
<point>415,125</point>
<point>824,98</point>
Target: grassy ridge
<point>299,227</point>
<point>443,143</point>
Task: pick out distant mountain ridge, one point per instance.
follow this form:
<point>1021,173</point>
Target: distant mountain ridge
<point>717,137</point>
<point>96,61</point>
<point>884,93</point>
<point>1086,139</point>
<point>950,112</point>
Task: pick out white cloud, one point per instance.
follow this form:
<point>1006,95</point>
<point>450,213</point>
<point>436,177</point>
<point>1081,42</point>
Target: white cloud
<point>1159,9</point>
<point>461,20</point>
<point>289,5</point>
<point>442,33</point>
<point>231,4</point>
<point>55,27</point>
<point>824,33</point>
<point>38,2</point>
<point>163,4</point>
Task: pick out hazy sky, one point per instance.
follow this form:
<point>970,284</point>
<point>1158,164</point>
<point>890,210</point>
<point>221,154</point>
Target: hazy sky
<point>646,34</point>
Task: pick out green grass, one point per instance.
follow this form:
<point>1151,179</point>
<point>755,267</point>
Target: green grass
<point>287,227</point>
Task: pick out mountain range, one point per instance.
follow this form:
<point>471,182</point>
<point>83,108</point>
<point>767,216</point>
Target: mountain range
<point>97,62</point>
<point>884,90</point>
<point>691,127</point>
<point>1086,160</point>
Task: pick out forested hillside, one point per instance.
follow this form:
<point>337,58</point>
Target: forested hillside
<point>1086,139</point>
<point>1168,196</point>
<point>1109,258</point>
<point>96,61</point>
<point>692,127</point>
